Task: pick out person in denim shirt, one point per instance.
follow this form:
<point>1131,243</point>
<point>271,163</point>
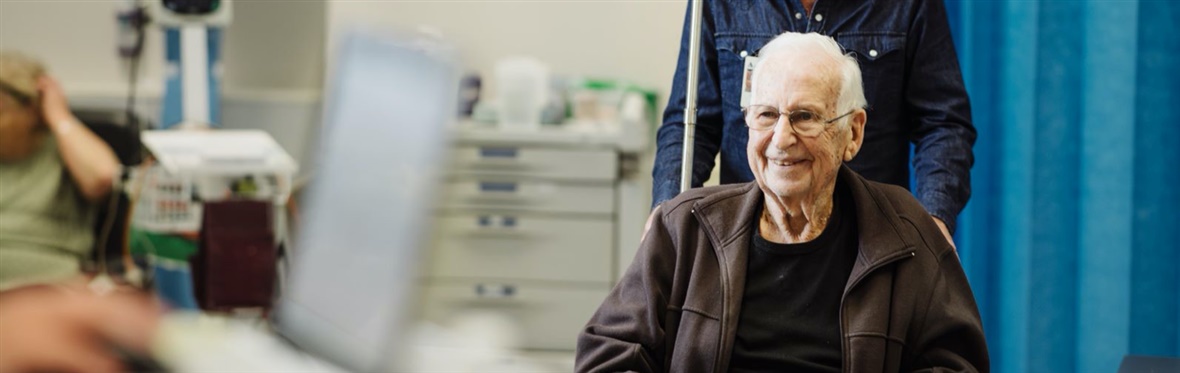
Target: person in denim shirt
<point>911,80</point>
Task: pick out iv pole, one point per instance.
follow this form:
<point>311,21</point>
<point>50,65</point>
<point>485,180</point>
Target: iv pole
<point>690,101</point>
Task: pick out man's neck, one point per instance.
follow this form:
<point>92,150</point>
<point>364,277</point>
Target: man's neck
<point>795,221</point>
<point>808,5</point>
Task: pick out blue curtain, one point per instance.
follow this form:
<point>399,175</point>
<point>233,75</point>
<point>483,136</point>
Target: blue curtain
<point>1071,239</point>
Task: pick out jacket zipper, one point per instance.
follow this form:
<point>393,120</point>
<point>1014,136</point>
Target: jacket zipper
<point>843,323</point>
<point>724,289</point>
<point>843,341</point>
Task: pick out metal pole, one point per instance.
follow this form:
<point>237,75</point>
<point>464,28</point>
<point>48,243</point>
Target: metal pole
<point>690,101</point>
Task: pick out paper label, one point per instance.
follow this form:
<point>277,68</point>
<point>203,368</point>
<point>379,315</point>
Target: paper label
<point>748,79</point>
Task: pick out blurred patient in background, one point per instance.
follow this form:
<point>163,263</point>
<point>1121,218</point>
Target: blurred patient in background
<point>53,172</point>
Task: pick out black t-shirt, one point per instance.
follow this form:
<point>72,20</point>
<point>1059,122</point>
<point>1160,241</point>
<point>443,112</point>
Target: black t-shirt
<point>790,319</point>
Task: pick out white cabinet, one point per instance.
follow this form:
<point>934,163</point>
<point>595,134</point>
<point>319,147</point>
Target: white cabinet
<point>518,194</point>
<point>549,314</point>
<point>528,227</point>
<point>535,161</point>
<point>513,246</point>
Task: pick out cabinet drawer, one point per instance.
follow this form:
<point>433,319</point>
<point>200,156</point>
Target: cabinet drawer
<point>535,162</point>
<point>529,195</point>
<point>546,317</point>
<point>523,247</point>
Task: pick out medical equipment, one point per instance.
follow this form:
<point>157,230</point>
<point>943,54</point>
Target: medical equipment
<point>192,38</point>
<point>690,100</point>
<point>192,7</point>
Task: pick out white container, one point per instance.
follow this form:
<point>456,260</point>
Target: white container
<point>522,87</point>
<point>200,166</point>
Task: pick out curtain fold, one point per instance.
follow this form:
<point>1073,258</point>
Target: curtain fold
<point>1071,239</point>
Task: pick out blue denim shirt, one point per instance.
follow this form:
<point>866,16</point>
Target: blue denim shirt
<point>911,79</point>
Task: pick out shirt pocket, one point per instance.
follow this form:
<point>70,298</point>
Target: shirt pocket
<point>731,65</point>
<point>882,59</point>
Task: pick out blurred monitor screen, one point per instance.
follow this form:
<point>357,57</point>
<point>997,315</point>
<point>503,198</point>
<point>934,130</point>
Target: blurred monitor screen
<point>367,212</point>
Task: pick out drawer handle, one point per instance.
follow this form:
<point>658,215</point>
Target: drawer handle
<point>497,187</point>
<point>495,233</point>
<point>497,192</point>
<point>500,153</point>
<point>493,221</point>
<point>495,291</point>
<point>491,226</point>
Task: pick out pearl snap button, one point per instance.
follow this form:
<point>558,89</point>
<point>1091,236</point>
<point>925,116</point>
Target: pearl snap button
<point>872,53</point>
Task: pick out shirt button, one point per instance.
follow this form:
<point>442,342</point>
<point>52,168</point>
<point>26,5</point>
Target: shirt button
<point>798,15</point>
<point>819,17</point>
<point>743,54</point>
<point>872,53</point>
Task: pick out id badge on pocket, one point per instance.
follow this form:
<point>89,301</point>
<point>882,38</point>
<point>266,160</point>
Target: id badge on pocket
<point>748,79</point>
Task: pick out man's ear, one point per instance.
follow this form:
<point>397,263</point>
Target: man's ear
<point>857,126</point>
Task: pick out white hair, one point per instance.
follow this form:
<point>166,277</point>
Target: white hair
<point>852,92</point>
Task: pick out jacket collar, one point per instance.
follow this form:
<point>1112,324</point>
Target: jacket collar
<point>729,215</point>
<point>881,240</point>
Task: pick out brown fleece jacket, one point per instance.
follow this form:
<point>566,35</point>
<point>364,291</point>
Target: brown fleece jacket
<point>906,307</point>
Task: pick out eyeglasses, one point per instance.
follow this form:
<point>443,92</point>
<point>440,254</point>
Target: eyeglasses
<point>805,123</point>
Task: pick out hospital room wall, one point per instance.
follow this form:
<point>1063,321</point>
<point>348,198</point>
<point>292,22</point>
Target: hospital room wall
<point>635,41</point>
<point>272,61</point>
<point>278,45</point>
<point>269,45</point>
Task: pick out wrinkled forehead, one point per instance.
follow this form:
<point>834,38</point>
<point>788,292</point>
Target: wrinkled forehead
<point>796,71</point>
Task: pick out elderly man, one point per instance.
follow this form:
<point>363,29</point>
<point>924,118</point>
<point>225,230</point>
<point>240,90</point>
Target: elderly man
<point>809,268</point>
